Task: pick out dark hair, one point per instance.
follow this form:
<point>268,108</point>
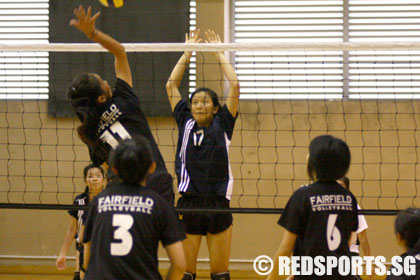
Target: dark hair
<point>407,224</point>
<point>210,92</point>
<point>132,159</point>
<point>89,167</point>
<point>346,182</point>
<point>329,158</point>
<point>83,92</point>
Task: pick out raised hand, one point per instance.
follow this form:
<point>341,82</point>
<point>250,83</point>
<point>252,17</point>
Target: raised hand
<point>192,37</point>
<point>84,21</point>
<point>233,95</point>
<point>212,37</point>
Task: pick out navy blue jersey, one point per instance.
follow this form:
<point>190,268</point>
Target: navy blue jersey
<point>124,225</point>
<point>202,157</point>
<point>322,215</point>
<point>80,215</point>
<point>396,273</point>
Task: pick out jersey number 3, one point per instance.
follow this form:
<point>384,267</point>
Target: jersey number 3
<point>124,222</point>
<point>333,233</point>
<point>117,129</point>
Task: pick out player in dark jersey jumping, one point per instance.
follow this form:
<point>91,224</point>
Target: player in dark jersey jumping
<point>320,217</point>
<point>109,116</point>
<point>407,230</point>
<point>126,222</point>
<point>95,181</point>
<point>202,162</point>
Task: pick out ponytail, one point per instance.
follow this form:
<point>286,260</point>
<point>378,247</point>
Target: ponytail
<point>87,130</point>
<point>132,160</point>
<point>83,92</point>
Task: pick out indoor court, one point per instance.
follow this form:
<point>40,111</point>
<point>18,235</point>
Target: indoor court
<point>306,68</point>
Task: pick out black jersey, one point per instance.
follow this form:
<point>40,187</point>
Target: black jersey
<point>202,157</point>
<point>394,275</point>
<point>322,215</point>
<point>80,215</point>
<point>122,118</point>
<point>125,224</point>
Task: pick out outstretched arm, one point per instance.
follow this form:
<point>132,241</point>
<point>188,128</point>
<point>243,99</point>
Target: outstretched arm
<point>233,96</point>
<point>86,24</point>
<point>174,81</point>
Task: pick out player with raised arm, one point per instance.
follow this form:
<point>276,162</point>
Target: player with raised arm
<point>202,162</point>
<point>126,222</point>
<point>320,217</point>
<point>109,116</point>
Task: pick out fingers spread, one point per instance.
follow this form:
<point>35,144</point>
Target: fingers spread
<point>73,22</point>
<point>96,16</point>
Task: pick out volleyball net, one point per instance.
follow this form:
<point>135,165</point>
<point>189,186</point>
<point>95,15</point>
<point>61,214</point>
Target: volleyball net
<point>365,93</point>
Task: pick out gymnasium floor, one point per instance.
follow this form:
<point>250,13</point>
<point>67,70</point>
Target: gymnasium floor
<point>50,273</point>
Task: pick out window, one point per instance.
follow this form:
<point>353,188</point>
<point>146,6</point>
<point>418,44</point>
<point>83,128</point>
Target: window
<point>23,75</point>
<point>327,74</point>
<point>384,74</point>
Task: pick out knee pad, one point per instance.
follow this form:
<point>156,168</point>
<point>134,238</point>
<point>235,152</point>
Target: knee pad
<point>220,276</point>
<point>189,276</point>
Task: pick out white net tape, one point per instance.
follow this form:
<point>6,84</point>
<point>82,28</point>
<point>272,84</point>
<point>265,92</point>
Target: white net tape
<point>211,47</point>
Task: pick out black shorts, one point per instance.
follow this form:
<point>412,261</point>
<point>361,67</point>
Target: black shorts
<point>203,223</point>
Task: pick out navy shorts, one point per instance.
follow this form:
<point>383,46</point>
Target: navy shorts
<point>203,223</point>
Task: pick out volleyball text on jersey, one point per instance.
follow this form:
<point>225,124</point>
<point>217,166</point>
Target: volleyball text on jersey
<point>125,203</point>
<point>330,202</point>
<point>109,117</point>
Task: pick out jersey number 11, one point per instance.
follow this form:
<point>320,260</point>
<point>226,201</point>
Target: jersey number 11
<point>117,129</point>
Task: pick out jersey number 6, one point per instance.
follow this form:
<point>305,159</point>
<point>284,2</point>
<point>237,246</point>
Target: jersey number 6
<point>333,233</point>
<point>124,222</point>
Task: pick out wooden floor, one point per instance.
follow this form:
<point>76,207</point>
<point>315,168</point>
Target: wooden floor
<point>51,273</point>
